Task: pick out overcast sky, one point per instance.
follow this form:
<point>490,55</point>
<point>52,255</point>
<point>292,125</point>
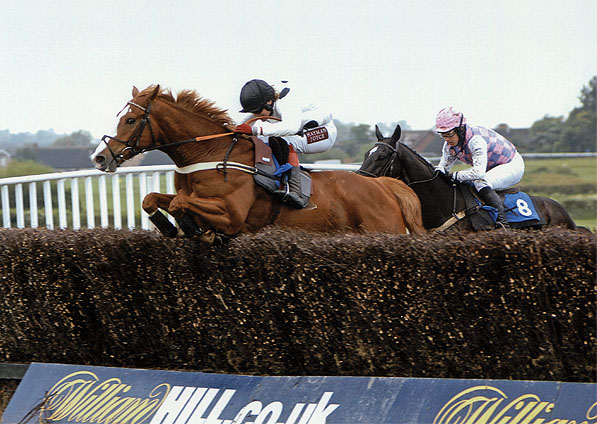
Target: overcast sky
<point>70,65</point>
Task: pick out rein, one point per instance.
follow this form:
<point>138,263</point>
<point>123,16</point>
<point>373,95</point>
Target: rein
<point>387,171</point>
<point>131,144</point>
<point>130,149</point>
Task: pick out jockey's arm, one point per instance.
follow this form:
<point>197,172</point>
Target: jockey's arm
<point>477,171</point>
<point>291,123</point>
<point>447,161</point>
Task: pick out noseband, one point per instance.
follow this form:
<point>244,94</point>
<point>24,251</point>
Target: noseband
<point>131,144</point>
<point>388,167</point>
<point>386,171</point>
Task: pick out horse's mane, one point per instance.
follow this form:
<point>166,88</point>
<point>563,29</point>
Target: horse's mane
<point>417,155</point>
<point>423,160</point>
<point>191,101</point>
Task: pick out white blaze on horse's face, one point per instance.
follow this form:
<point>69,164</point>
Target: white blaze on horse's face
<point>373,150</point>
<point>103,159</point>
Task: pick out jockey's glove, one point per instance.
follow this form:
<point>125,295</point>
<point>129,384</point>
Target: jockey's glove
<point>243,129</point>
<point>452,176</point>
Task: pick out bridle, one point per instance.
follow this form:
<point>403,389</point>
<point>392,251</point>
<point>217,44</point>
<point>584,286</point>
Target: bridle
<point>388,167</point>
<point>131,144</point>
<point>387,171</point>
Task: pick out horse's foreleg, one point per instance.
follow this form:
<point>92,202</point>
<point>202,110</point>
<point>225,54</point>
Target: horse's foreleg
<point>151,204</point>
<point>153,201</point>
<point>214,213</point>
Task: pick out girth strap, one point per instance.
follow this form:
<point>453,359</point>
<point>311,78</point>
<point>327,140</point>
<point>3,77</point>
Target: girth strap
<point>203,166</point>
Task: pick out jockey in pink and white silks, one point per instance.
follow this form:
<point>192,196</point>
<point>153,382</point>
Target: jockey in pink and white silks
<point>495,162</point>
<point>300,127</point>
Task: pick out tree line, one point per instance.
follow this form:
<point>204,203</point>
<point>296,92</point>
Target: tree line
<point>576,133</point>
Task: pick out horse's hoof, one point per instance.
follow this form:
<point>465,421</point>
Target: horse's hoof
<point>208,237</point>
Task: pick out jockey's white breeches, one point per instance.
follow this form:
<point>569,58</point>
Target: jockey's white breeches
<point>503,176</point>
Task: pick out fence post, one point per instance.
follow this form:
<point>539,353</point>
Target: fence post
<point>49,209</point>
<point>74,192</point>
<point>33,205</point>
<point>19,205</point>
<point>5,207</point>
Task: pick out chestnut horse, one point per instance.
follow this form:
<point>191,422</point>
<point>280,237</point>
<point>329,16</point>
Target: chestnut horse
<point>215,190</point>
<point>443,201</point>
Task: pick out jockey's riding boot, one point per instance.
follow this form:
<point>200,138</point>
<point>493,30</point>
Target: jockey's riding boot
<point>292,194</point>
<point>491,198</point>
<point>279,148</point>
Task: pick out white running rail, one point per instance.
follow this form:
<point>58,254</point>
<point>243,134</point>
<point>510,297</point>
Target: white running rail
<point>96,203</point>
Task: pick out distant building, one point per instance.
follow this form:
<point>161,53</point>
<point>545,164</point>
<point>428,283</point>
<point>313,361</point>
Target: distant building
<point>429,144</point>
<point>64,158</point>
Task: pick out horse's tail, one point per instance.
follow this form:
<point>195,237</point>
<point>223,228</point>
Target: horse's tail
<point>409,204</point>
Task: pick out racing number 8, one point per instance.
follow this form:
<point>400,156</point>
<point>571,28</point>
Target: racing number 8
<point>523,208</point>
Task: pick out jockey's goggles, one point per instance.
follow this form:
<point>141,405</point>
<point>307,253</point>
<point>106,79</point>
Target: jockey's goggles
<point>448,134</point>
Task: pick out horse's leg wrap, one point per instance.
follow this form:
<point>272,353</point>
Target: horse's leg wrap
<point>189,226</point>
<point>163,224</point>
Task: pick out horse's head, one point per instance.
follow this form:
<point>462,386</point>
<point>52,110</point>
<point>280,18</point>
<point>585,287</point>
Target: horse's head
<point>382,159</point>
<point>134,133</point>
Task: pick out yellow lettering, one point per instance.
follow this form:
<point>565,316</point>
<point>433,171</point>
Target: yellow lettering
<point>63,395</point>
<point>592,412</point>
<point>460,410</point>
<point>81,398</point>
<point>112,390</point>
<point>535,412</point>
<point>485,405</point>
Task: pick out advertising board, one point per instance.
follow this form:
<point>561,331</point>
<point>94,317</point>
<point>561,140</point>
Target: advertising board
<point>55,393</point>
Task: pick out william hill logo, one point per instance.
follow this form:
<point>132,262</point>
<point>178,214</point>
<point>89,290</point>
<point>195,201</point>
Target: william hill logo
<point>489,405</point>
<point>81,398</point>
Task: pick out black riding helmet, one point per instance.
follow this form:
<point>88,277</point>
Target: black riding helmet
<point>254,96</point>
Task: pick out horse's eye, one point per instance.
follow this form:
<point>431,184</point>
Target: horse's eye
<point>130,121</point>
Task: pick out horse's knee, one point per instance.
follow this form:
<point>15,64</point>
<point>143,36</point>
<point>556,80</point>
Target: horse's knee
<point>150,203</point>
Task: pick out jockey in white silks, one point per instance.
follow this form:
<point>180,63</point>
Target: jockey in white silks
<point>495,162</point>
<point>299,127</point>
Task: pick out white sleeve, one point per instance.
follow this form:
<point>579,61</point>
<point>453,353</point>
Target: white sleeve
<point>478,147</point>
<point>447,161</point>
<point>291,115</point>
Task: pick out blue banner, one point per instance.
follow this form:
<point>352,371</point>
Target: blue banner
<point>54,393</point>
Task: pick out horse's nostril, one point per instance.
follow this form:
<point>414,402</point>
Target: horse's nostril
<point>99,159</point>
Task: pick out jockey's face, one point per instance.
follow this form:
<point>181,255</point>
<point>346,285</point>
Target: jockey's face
<point>264,111</point>
<point>450,137</point>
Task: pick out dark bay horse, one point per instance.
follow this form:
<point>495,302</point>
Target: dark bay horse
<point>214,181</point>
<point>442,200</point>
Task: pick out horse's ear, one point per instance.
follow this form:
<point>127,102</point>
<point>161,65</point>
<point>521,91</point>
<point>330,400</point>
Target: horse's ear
<point>156,90</point>
<point>378,133</point>
<point>135,91</point>
<point>397,133</point>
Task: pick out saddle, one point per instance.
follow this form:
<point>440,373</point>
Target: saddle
<point>268,164</point>
<point>519,208</point>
